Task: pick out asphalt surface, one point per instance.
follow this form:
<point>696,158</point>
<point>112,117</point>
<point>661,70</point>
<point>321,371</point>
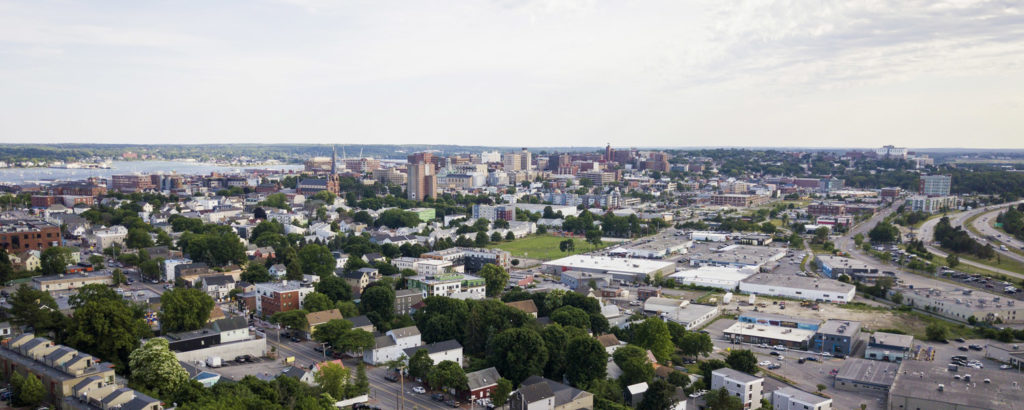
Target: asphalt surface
<point>927,234</point>
<point>984,226</point>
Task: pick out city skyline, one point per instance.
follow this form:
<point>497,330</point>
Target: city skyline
<point>532,72</point>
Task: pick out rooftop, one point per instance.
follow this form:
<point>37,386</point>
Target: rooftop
<point>736,375</point>
<point>841,262</point>
<point>798,282</point>
<point>24,225</point>
<point>610,264</point>
<point>738,254</point>
<point>864,371</point>
<point>100,274</point>
<point>432,348</point>
<point>892,339</point>
<point>987,389</point>
<point>835,327</point>
<point>802,395</point>
<point>771,332</point>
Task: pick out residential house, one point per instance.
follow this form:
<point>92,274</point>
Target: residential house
<point>449,350</point>
<point>610,342</point>
<point>538,393</point>
<point>405,299</point>
<point>315,319</point>
<point>526,306</point>
<point>218,286</point>
<point>359,279</point>
<point>480,384</point>
<point>300,374</point>
<point>391,345</point>
<point>278,270</point>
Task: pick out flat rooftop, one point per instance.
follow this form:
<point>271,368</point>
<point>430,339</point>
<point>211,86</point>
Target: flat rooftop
<point>771,332</point>
<point>745,254</point>
<point>892,339</point>
<point>873,372</point>
<point>963,296</point>
<point>802,395</point>
<point>798,282</point>
<point>611,264</point>
<point>841,262</point>
<point>714,273</point>
<point>838,326</point>
<point>920,379</point>
<point>736,375</point>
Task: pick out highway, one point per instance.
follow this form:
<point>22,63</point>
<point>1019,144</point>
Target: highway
<point>927,234</point>
<point>846,244</point>
<point>984,226</point>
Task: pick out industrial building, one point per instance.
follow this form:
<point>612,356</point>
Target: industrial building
<point>774,335</point>
<point>837,337</point>
<point>865,375</point>
<point>623,269</point>
<point>962,304</point>
<point>927,385</point>
<point>798,287</point>
<point>832,266</point>
<point>737,256</point>
<point>726,278</point>
<point>888,347</point>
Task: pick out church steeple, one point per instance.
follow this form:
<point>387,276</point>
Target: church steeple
<point>334,160</point>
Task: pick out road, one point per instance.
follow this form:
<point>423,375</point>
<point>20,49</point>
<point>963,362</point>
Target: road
<point>846,243</point>
<point>983,225</point>
<point>927,234</point>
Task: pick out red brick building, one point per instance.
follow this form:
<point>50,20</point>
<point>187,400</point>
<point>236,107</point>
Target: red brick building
<point>20,235</point>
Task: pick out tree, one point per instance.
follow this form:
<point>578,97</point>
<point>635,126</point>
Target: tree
<point>634,364</point>
<point>500,394</point>
<point>571,316</point>
<point>138,238</point>
<point>294,270</point>
<point>447,374</point>
<point>496,236</point>
<point>36,308</point>
<point>256,272</point>
<point>107,328</point>
<point>155,368</point>
<point>952,260</point>
<point>55,260</point>
<point>678,379</point>
<point>317,260</point>
<point>593,236</point>
<point>495,277</point>
<point>347,308</point>
<point>292,319</point>
<point>517,353</point>
<point>586,360</point>
<point>660,395</point>
<point>721,400</point>
<point>821,234</point>
<point>31,391</point>
<point>117,276</point>
<point>259,213</point>
<point>695,343</point>
<point>342,337</point>
<point>742,360</point>
<point>332,378</point>
<point>936,331</point>
<point>708,366</point>
<point>567,245</point>
<point>555,340</point>
<point>378,303</point>
<point>821,387</point>
<point>334,287</point>
<point>316,302</point>
<point>509,236</point>
<point>96,260</point>
<point>481,239</point>
<point>652,334</point>
<point>420,364</point>
<point>6,268</point>
<point>884,232</point>
<point>184,309</point>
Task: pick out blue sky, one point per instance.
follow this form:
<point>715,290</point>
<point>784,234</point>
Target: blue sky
<point>515,72</point>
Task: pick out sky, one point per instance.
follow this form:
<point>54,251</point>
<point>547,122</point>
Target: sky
<point>816,73</point>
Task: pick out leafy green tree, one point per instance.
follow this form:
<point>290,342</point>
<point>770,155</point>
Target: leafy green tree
<point>708,366</point>
<point>884,232</point>
<point>333,379</point>
<point>316,302</point>
<point>293,319</point>
<point>36,308</point>
<point>936,331</point>
<point>317,260</point>
<point>447,374</point>
<point>509,236</point>
<point>55,260</point>
<point>155,368</point>
<point>742,360</point>
<point>593,236</point>
<point>586,360</point>
<point>721,399</point>
<point>342,337</point>
<point>495,278</point>
<point>496,237</point>
<point>108,328</point>
<point>184,309</point>
<point>481,239</point>
<point>420,364</point>
<point>500,394</point>
<point>634,364</point>
<point>277,200</point>
<point>652,334</point>
<point>138,238</point>
<point>517,353</point>
<point>6,268</point>
<point>31,391</point>
<point>567,245</point>
<point>256,272</point>
<point>952,260</point>
<point>555,340</point>
<point>334,287</point>
<point>571,316</point>
<point>347,308</point>
<point>659,395</point>
<point>678,379</point>
<point>217,247</point>
<point>695,343</point>
<point>378,303</point>
<point>361,385</point>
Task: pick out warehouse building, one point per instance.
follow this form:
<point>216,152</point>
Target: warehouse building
<point>622,269</point>
<point>927,385</point>
<point>773,335</point>
<point>865,375</point>
<point>961,304</point>
<point>798,287</point>
<point>727,278</point>
<point>736,256</point>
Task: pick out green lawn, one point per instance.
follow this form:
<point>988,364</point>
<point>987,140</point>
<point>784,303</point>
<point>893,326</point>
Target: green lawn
<point>544,247</point>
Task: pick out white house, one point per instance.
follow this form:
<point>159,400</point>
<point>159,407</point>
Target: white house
<point>748,388</point>
<point>392,345</point>
<point>440,351</point>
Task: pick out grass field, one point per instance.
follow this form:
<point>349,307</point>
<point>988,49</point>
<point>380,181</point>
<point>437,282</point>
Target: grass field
<point>544,247</point>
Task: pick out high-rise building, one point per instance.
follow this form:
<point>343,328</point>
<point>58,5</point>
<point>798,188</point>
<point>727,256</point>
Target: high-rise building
<point>935,185</point>
<point>422,178</point>
<point>525,160</point>
<point>512,161</point>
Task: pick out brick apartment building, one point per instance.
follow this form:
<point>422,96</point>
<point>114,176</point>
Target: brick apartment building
<point>18,235</point>
<point>826,208</point>
<point>738,200</point>
<point>131,183</point>
<point>280,297</point>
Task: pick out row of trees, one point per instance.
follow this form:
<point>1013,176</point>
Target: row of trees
<point>958,240</point>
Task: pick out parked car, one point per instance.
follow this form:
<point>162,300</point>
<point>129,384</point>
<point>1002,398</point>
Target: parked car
<point>780,347</point>
<point>437,396</point>
<point>774,353</point>
<point>452,403</point>
<point>419,390</point>
<point>962,348</point>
